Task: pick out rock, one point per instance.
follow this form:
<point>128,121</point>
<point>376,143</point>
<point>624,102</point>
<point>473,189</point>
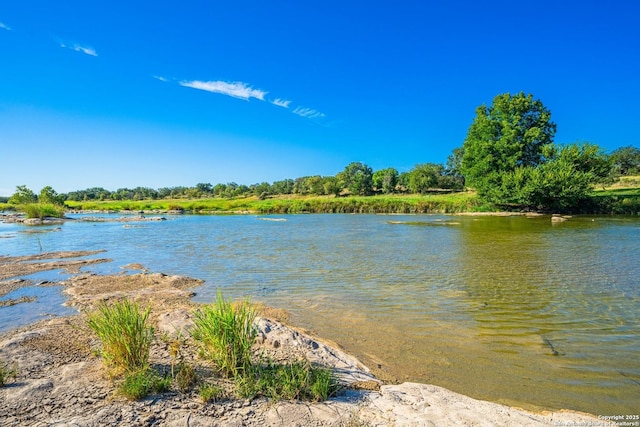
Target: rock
<point>175,323</point>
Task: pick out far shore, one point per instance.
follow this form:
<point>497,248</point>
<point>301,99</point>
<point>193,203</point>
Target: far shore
<point>61,380</point>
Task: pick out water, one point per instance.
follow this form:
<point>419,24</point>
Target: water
<point>515,310</point>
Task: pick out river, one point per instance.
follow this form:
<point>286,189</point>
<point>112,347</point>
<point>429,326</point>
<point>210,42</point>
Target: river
<point>515,310</point>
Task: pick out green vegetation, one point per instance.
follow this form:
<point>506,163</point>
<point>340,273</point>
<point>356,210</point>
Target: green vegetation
<point>226,335</point>
<point>510,159</point>
<point>42,210</point>
<point>7,372</point>
<point>125,335</point>
<point>392,203</point>
<point>210,392</point>
<point>48,204</point>
<point>296,381</point>
<point>140,383</point>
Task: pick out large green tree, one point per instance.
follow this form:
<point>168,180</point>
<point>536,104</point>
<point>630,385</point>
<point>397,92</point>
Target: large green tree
<point>358,178</point>
<point>626,161</point>
<point>22,196</point>
<point>424,177</point>
<point>49,195</point>
<point>385,180</point>
<point>508,134</point>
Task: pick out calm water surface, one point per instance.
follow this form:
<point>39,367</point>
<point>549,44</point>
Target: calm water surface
<point>515,310</point>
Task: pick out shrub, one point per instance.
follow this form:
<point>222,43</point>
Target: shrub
<point>42,210</point>
<point>226,335</point>
<point>126,337</point>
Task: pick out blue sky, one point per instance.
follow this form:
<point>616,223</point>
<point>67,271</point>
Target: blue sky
<point>124,94</point>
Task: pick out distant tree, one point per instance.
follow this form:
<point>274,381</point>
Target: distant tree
<point>454,162</point>
<point>385,180</point>
<point>625,161</point>
<point>144,193</point>
<point>204,189</point>
<point>300,186</point>
<point>358,178</point>
<point>164,193</point>
<point>219,189</point>
<point>283,187</point>
<point>424,177</point>
<point>331,185</point>
<point>314,185</point>
<point>403,181</point>
<point>231,189</point>
<point>95,193</point>
<point>22,196</point>
<point>509,134</point>
<point>49,195</point>
<point>453,177</point>
<point>242,190</point>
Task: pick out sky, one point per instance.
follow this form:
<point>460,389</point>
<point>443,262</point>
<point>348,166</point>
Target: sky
<point>119,94</point>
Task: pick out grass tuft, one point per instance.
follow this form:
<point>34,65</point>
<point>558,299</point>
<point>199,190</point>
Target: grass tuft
<point>185,377</point>
<point>210,392</point>
<point>126,337</point>
<point>226,335</point>
<point>295,381</point>
<point>139,384</point>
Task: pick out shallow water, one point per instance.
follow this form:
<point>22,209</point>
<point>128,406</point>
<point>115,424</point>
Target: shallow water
<point>516,310</point>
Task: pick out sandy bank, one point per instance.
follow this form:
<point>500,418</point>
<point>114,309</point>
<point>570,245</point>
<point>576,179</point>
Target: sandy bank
<point>62,382</point>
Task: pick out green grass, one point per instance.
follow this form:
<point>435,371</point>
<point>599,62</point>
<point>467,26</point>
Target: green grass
<point>226,334</point>
<point>210,392</point>
<point>138,384</point>
<point>430,203</point>
<point>294,381</point>
<point>125,335</point>
<point>7,372</point>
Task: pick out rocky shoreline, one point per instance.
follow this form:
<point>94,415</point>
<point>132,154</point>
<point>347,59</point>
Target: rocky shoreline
<point>61,381</point>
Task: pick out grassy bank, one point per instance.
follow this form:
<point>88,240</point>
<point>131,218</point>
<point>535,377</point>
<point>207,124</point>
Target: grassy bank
<point>621,198</point>
<point>437,203</point>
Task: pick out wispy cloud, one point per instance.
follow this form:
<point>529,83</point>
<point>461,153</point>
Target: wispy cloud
<point>4,26</point>
<point>245,91</point>
<point>83,49</point>
<point>281,102</point>
<point>234,89</point>
<point>308,113</point>
<point>162,79</point>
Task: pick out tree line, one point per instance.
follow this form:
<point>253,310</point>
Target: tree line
<point>508,157</point>
<point>356,179</point>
